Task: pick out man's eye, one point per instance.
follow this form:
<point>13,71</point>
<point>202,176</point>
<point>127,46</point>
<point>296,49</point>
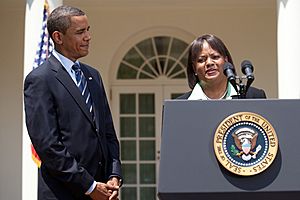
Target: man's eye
<point>81,31</point>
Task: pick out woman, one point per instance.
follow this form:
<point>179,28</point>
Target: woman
<point>207,56</point>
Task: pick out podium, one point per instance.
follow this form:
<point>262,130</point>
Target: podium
<point>190,170</point>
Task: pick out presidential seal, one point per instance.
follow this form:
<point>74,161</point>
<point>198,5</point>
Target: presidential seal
<point>245,143</point>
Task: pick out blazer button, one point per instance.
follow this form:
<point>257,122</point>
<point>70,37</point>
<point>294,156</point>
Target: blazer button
<point>100,163</point>
<point>96,130</point>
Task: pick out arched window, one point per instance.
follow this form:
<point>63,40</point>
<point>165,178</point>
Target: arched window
<point>155,57</point>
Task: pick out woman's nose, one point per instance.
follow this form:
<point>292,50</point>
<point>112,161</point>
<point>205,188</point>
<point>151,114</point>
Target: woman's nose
<point>209,61</point>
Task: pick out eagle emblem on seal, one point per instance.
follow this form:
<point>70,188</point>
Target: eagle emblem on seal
<point>245,140</point>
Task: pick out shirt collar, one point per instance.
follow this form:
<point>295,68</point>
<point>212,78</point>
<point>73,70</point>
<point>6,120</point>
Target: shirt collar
<point>66,62</point>
<point>198,94</point>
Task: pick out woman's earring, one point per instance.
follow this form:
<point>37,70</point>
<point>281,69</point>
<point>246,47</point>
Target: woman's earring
<point>196,74</point>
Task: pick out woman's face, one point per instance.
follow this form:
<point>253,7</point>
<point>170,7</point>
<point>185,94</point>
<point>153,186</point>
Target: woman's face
<point>209,65</point>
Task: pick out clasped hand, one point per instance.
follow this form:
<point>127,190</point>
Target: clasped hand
<point>108,191</point>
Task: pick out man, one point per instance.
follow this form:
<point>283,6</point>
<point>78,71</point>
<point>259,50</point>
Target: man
<point>68,117</point>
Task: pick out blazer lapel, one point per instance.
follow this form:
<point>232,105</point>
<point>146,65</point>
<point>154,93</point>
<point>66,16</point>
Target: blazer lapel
<point>63,76</point>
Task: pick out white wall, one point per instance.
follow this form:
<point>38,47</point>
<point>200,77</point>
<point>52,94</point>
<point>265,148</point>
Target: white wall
<point>249,32</point>
<point>11,64</point>
<point>288,51</point>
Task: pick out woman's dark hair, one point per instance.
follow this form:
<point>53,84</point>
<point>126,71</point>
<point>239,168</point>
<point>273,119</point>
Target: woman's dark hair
<point>60,18</point>
<point>196,47</point>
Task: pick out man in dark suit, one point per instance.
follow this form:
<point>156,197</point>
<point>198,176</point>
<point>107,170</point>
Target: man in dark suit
<point>71,128</point>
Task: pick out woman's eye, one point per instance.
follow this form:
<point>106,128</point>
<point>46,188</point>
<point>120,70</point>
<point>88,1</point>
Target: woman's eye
<point>215,57</point>
<point>201,60</point>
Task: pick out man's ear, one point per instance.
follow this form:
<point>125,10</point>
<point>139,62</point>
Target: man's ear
<point>57,37</point>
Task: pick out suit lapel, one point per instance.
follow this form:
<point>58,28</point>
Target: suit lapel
<point>63,76</point>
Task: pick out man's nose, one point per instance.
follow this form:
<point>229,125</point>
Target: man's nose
<point>87,36</point>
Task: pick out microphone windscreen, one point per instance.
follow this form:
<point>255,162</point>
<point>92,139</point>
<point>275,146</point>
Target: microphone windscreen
<point>227,65</point>
<point>246,64</point>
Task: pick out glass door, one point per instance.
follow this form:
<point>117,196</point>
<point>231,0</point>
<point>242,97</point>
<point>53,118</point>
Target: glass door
<point>137,113</point>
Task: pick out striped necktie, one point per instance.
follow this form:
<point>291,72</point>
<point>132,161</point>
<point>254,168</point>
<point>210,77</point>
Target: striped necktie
<point>82,85</point>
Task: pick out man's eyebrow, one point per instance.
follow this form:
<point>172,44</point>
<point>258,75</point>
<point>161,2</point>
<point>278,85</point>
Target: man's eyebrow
<point>82,29</point>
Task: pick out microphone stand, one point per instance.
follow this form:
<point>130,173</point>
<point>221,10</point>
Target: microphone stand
<point>240,84</point>
<point>242,87</point>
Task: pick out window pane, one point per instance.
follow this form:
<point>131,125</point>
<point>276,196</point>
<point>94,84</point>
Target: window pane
<point>170,65</point>
<point>129,173</point>
<point>147,173</point>
<point>145,76</point>
<point>146,103</point>
<point>147,126</point>
<point>128,150</point>
<point>184,59</point>
<point>133,58</point>
<point>177,68</point>
<point>148,193</point>
<point>146,48</point>
<point>127,126</point>
<point>162,44</point>
<point>127,103</point>
<point>147,150</point>
<point>162,62</point>
<point>126,72</point>
<point>154,66</point>
<point>128,193</point>
<point>147,69</point>
<point>178,48</point>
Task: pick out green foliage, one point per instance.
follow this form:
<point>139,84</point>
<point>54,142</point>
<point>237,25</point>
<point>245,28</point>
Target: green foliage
<point>233,150</point>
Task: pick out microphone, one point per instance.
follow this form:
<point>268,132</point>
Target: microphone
<point>247,69</point>
<point>228,71</point>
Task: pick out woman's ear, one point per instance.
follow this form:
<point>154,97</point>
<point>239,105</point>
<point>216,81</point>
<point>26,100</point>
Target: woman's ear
<point>226,59</point>
<point>194,69</point>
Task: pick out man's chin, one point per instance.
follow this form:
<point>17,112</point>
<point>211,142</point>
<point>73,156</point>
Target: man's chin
<point>84,53</point>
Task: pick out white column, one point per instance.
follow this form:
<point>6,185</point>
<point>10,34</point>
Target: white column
<point>33,26</point>
<point>288,37</point>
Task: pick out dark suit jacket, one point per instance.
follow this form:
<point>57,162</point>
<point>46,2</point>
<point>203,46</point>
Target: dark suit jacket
<point>252,93</point>
<point>74,150</point>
